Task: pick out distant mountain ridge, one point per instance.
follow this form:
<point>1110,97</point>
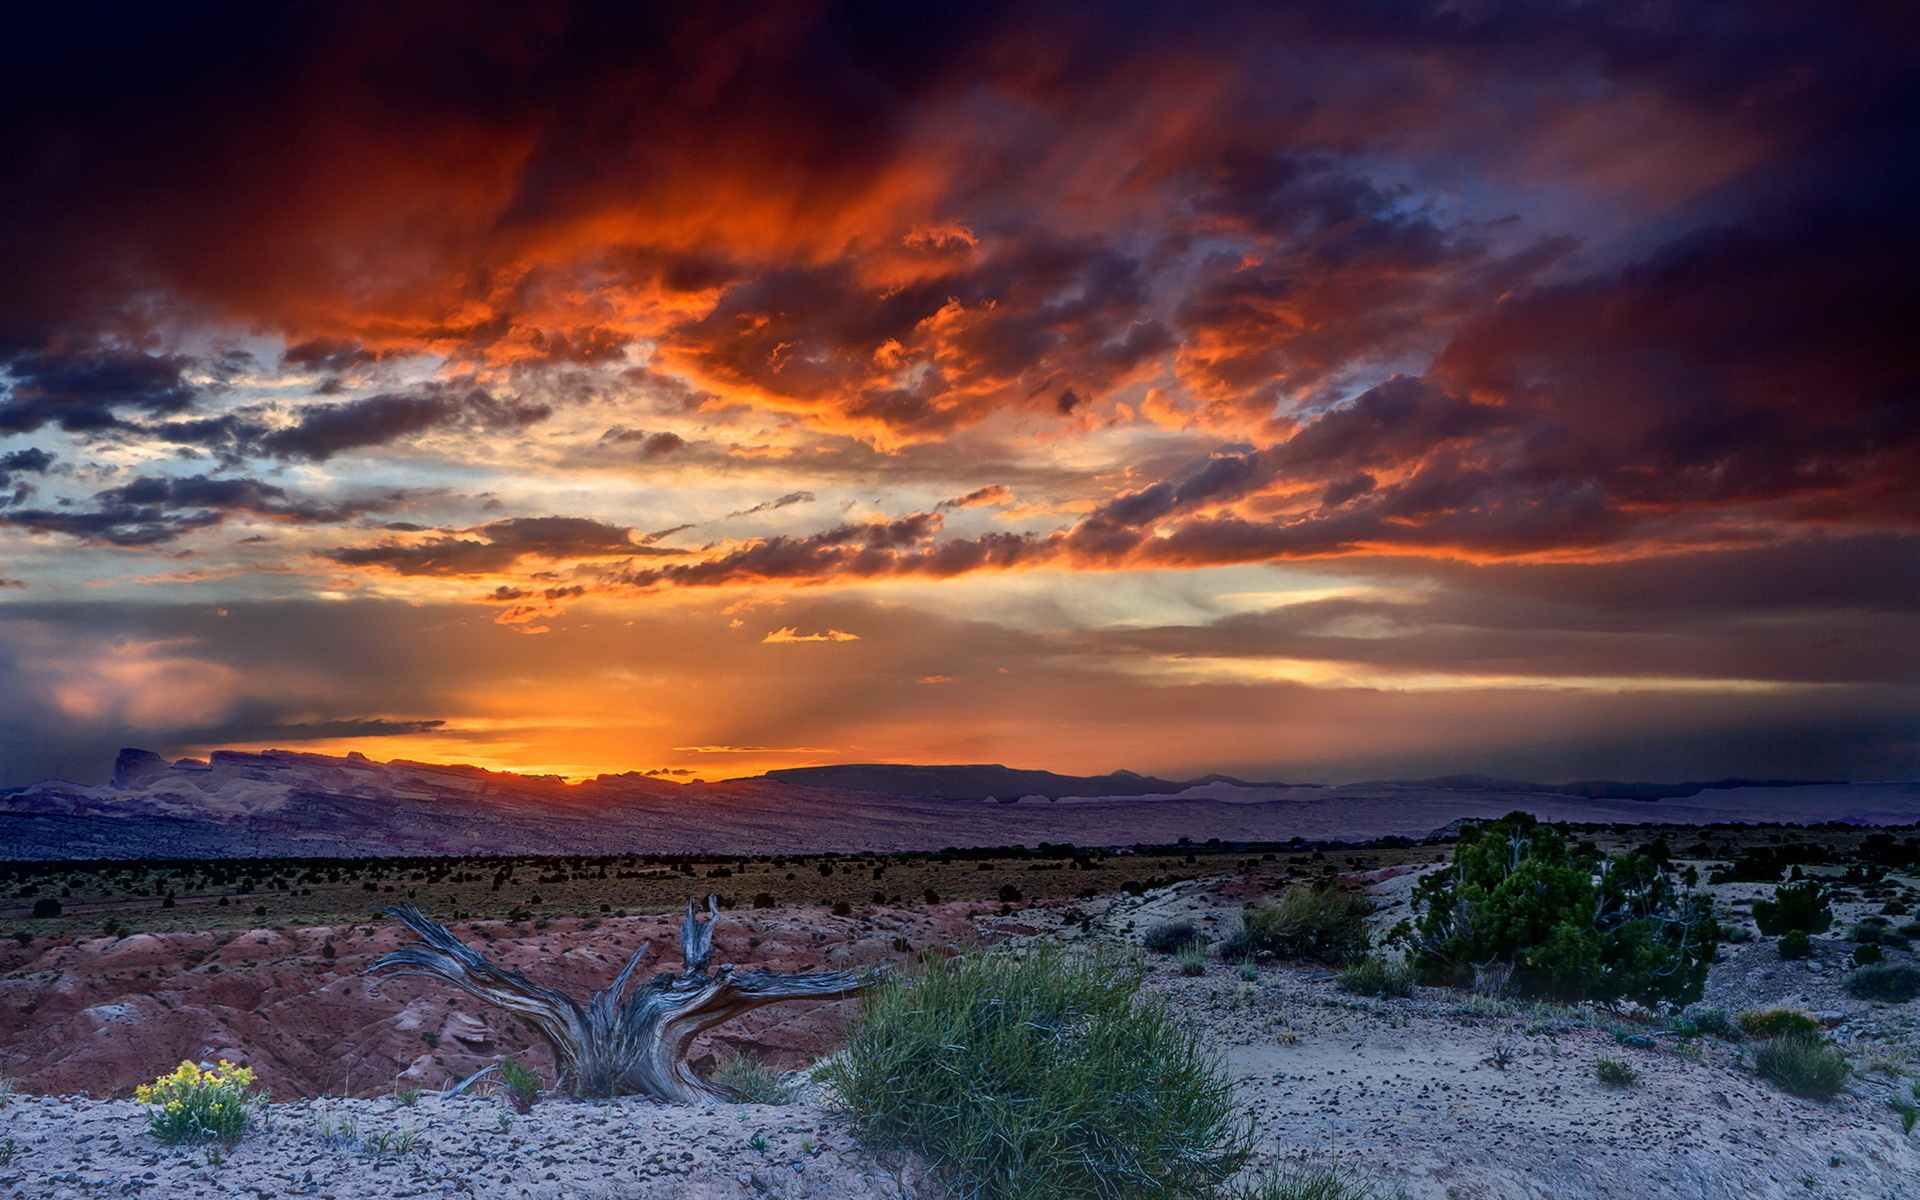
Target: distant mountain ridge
<point>281,803</point>
<point>989,781</point>
<point>1610,789</point>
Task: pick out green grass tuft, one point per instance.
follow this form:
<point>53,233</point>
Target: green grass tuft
<point>747,1079</point>
<point>523,1086</point>
<point>1377,977</point>
<point>1192,958</point>
<point>1306,1183</point>
<point>1614,1072</point>
<point>1045,1078</point>
<point>1802,1067</point>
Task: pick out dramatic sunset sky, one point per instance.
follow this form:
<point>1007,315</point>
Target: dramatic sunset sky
<point>1318,391</point>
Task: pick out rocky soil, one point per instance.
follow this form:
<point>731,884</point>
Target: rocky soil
<point>1441,1095</point>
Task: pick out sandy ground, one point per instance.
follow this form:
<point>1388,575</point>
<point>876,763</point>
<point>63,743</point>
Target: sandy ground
<point>66,1149</point>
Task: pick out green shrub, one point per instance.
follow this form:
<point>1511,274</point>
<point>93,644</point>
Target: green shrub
<point>1803,1067</point>
<point>1324,921</point>
<point>1795,943</point>
<point>1801,906</point>
<point>1043,1078</point>
<point>1765,1024</point>
<point>191,1106</point>
<point>747,1079</point>
<point>1169,937</point>
<point>1614,1072</point>
<point>1300,1182</point>
<point>1572,923</point>
<point>1377,977</point>
<point>1866,956</point>
<point>1895,983</point>
<point>1869,933</point>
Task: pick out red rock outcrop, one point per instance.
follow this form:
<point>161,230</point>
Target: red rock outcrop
<point>96,1016</point>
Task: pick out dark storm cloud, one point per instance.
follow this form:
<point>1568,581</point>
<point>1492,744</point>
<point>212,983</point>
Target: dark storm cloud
<point>1243,239</point>
<point>500,545</point>
<point>320,431</point>
<point>32,461</point>
<point>154,510</point>
<point>85,388</point>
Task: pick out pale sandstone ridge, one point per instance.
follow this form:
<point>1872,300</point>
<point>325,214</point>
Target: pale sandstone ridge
<point>285,803</point>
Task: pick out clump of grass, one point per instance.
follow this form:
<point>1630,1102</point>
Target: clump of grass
<point>1043,1077</point>
<point>1324,921</point>
<point>747,1079</point>
<point>1171,937</point>
<point>1895,983</point>
<point>1377,977</point>
<point>1706,1022</point>
<point>1615,1072</point>
<point>1801,1066</point>
<point>1193,958</point>
<point>523,1086</point>
<point>1764,1024</point>
<point>191,1106</point>
<point>336,1135</point>
<point>407,1097</point>
<point>1301,1182</point>
<point>397,1143</point>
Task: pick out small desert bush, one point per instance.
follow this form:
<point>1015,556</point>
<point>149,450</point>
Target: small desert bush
<point>1801,1066</point>
<point>1868,955</point>
<point>1324,921</point>
<point>1377,977</point>
<point>1170,937</point>
<point>1895,983</point>
<point>1795,943</point>
<point>1768,1023</point>
<point>192,1106</point>
<point>1614,1072</point>
<point>747,1079</point>
<point>1045,1078</point>
<point>1299,1182</point>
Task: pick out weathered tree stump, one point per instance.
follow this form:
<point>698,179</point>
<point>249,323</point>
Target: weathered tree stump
<point>610,1046</point>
